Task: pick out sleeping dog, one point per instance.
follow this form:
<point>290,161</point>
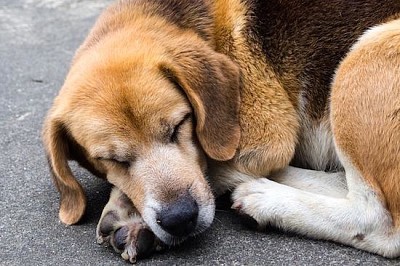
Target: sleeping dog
<point>293,105</point>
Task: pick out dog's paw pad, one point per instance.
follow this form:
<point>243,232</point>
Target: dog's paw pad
<point>133,239</point>
<point>120,237</point>
<point>106,227</point>
<point>145,242</point>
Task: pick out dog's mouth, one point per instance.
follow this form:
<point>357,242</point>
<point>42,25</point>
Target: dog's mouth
<point>180,220</point>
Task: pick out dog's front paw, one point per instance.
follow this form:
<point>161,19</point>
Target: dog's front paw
<point>134,239</point>
<point>259,200</point>
<point>130,237</point>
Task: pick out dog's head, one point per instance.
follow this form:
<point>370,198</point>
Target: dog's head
<point>145,115</point>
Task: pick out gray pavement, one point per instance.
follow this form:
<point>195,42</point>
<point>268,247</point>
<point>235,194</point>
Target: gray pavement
<point>37,41</point>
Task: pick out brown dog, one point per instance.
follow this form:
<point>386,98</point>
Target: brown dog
<point>163,93</point>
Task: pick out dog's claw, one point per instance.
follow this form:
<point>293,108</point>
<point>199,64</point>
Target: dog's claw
<point>236,206</point>
<point>129,254</point>
<point>100,240</point>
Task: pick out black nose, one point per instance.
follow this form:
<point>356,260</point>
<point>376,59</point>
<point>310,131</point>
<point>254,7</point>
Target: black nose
<point>179,218</point>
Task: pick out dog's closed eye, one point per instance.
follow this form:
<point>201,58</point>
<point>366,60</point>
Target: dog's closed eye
<point>175,132</point>
<point>116,161</point>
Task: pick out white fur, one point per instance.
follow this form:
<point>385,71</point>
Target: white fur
<point>358,219</point>
<point>315,148</point>
<point>319,182</point>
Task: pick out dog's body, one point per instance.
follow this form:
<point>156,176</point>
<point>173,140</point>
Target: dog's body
<point>264,85</point>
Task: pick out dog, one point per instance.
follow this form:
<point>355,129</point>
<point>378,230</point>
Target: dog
<point>292,105</point>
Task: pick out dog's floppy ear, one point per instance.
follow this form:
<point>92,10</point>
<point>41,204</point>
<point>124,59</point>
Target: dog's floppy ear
<point>211,82</point>
<point>57,144</point>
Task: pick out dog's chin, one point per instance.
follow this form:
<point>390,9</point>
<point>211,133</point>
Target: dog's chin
<point>204,220</point>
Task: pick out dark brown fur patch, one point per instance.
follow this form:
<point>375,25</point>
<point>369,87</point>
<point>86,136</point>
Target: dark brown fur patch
<point>304,41</point>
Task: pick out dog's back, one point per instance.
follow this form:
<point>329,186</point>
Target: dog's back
<point>305,40</point>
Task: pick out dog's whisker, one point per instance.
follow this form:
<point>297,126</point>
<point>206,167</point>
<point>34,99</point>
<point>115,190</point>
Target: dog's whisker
<point>218,220</point>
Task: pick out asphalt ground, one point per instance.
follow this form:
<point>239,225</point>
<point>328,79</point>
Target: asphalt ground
<point>37,41</point>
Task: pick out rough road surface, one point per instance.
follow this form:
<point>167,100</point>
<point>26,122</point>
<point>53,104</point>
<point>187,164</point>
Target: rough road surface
<point>37,41</point>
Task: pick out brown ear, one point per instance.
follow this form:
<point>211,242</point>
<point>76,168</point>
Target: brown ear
<point>73,200</point>
<point>211,82</point>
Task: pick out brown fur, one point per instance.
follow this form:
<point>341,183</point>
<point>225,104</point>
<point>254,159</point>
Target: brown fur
<point>243,74</point>
<point>129,101</point>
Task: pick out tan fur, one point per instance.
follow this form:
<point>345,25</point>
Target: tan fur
<point>73,200</point>
<point>365,107</point>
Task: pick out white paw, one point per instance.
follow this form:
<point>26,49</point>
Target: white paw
<point>261,199</point>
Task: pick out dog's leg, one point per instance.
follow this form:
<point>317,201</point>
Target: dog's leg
<point>358,219</point>
<point>123,228</point>
<point>329,184</point>
<point>224,177</point>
